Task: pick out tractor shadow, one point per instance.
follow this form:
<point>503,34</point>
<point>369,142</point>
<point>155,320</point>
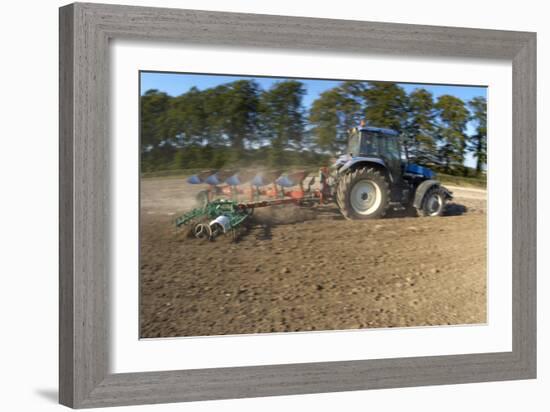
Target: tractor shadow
<point>455,209</point>
<point>286,215</point>
<point>263,231</point>
<point>261,224</point>
<point>451,209</point>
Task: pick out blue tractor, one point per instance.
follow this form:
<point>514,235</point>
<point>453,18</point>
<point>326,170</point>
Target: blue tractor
<point>375,175</point>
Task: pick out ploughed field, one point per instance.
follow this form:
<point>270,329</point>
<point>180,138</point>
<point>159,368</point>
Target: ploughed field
<point>304,269</point>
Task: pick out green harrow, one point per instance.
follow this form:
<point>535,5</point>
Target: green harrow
<point>220,216</point>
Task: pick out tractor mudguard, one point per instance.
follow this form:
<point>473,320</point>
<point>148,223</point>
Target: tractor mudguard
<point>354,160</point>
<point>423,188</point>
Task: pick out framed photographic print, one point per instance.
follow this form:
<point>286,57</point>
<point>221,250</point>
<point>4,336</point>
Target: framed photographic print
<point>257,205</point>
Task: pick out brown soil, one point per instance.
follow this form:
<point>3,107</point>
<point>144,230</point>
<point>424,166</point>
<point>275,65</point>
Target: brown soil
<point>297,269</point>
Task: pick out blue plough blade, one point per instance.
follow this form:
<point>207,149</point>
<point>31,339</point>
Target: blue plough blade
<point>241,178</point>
<point>265,178</point>
<point>257,180</point>
<point>200,177</point>
<point>291,179</point>
<point>194,180</point>
<point>285,181</point>
<point>233,180</point>
<point>212,180</point>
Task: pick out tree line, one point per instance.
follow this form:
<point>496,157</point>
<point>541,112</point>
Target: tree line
<point>239,123</point>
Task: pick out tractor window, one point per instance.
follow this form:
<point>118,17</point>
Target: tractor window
<point>354,143</point>
<point>390,147</point>
<point>369,143</point>
<point>373,143</point>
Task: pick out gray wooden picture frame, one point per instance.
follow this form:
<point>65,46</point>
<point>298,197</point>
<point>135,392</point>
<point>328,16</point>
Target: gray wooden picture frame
<point>85,32</point>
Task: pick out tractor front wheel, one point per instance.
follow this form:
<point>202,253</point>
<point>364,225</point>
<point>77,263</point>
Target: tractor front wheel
<point>433,203</point>
<point>363,194</point>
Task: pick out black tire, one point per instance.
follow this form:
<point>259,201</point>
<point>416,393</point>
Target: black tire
<point>336,197</point>
<point>363,194</point>
<point>433,203</point>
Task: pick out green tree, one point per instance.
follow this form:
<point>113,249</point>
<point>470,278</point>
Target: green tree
<point>453,117</point>
<point>281,118</point>
<point>155,147</point>
<point>386,105</point>
<point>420,126</point>
<point>478,142</point>
<point>214,100</point>
<point>186,119</point>
<point>333,113</point>
<point>154,107</point>
<point>240,112</point>
<point>231,113</point>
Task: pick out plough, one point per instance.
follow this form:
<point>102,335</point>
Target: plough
<point>217,216</point>
<point>372,176</point>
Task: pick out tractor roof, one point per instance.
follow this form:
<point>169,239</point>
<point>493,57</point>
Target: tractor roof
<point>379,130</point>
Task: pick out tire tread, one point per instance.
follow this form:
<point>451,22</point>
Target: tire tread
<point>344,186</point>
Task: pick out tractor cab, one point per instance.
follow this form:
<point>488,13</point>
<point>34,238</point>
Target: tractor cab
<point>385,145</point>
<point>373,141</point>
<point>377,143</point>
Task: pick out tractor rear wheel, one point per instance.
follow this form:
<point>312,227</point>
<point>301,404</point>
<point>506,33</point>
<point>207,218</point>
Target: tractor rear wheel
<point>363,194</point>
<point>433,203</point>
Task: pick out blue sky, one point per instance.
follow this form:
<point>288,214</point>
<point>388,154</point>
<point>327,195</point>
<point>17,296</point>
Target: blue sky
<point>175,84</point>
